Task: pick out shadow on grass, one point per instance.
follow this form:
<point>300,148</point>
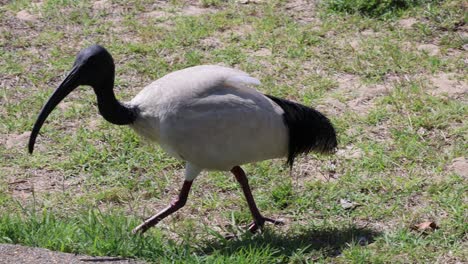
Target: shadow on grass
<point>330,242</point>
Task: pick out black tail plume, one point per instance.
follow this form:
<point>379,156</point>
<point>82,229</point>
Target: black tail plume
<point>309,130</point>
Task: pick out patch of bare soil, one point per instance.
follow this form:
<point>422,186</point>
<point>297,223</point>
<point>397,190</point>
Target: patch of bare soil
<point>307,169</point>
<point>250,1</point>
<point>23,188</point>
<point>190,9</point>
<point>368,32</point>
<point>447,85</point>
<point>196,11</point>
<point>236,32</point>
<point>303,11</point>
<point>158,14</point>
<point>102,5</point>
<point>379,133</point>
<point>24,15</point>
<point>350,152</point>
<point>364,100</point>
<point>359,97</point>
<point>25,28</point>
<point>263,52</point>
<point>347,81</point>
<point>15,140</point>
<point>29,255</point>
<point>161,13</point>
<point>211,43</point>
<point>331,106</point>
<point>450,258</point>
<point>459,166</point>
<point>242,30</point>
<point>430,49</point>
<point>39,183</point>
<point>407,22</point>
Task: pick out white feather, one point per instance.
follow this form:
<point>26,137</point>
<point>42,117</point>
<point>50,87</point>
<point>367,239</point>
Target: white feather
<point>209,117</point>
<point>242,80</point>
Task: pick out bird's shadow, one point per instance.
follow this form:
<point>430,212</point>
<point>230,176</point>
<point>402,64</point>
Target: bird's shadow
<point>330,242</point>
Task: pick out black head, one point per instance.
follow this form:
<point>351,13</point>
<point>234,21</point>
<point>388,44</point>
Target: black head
<point>96,67</point>
<point>93,66</point>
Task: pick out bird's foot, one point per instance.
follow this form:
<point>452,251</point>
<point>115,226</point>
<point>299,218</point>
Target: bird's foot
<point>259,223</point>
<point>141,228</point>
<point>230,236</point>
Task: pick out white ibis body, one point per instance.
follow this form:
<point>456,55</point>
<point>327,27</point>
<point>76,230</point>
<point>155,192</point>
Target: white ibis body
<point>207,116</point>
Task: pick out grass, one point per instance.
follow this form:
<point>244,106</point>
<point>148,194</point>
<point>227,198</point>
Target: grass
<point>89,183</point>
<point>377,9</point>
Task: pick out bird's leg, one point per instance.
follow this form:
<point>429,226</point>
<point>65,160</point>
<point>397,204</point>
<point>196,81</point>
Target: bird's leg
<point>259,220</point>
<point>175,205</point>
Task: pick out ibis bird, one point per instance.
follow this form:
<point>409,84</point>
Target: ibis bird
<point>208,116</point>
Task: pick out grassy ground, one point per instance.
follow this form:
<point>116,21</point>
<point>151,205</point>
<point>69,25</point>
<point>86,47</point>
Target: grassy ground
<point>394,85</point>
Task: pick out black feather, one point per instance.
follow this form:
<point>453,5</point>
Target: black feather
<point>309,130</point>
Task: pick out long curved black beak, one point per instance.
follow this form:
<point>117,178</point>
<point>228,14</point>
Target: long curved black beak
<point>65,88</point>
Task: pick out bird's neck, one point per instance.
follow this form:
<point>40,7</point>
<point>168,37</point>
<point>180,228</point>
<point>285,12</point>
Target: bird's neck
<point>112,110</point>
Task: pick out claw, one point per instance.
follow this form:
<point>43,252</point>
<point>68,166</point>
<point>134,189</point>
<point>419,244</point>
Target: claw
<point>140,229</point>
<point>259,223</point>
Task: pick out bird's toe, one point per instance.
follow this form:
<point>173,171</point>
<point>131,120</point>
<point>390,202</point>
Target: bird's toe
<point>259,223</point>
<point>140,229</point>
<point>274,221</point>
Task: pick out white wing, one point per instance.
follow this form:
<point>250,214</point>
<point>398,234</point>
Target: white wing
<point>242,80</point>
<point>210,117</point>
